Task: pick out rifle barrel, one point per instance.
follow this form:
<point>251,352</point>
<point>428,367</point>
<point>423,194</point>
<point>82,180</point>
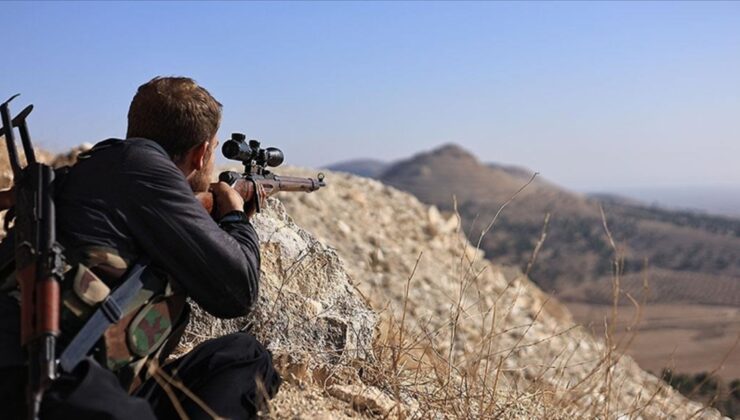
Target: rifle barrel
<point>292,183</point>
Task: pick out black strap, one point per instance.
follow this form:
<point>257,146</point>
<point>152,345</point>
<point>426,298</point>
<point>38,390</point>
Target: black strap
<point>109,312</point>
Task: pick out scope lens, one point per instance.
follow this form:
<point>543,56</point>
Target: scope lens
<point>231,149</point>
<point>274,156</point>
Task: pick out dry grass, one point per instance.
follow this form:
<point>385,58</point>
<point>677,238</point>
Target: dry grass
<point>431,380</point>
<point>433,366</point>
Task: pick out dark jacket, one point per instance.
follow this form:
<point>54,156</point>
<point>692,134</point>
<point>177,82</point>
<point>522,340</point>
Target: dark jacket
<point>128,195</point>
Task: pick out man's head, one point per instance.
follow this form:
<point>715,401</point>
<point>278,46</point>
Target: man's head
<point>183,118</point>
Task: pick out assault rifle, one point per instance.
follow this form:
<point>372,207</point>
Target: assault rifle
<point>39,263</point>
<point>256,173</point>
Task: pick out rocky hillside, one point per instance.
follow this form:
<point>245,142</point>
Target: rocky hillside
<point>460,336</point>
<point>681,268</point>
<point>577,252</point>
<point>376,305</point>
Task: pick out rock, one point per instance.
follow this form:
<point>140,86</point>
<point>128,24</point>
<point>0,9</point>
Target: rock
<point>343,227</point>
<point>307,307</point>
<point>451,224</point>
<point>366,399</point>
<point>434,221</point>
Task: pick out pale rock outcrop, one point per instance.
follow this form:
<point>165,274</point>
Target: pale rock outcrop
<point>309,314</point>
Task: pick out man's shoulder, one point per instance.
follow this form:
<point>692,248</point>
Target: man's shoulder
<point>122,166</point>
<point>128,146</point>
<point>132,154</point>
<point>144,157</point>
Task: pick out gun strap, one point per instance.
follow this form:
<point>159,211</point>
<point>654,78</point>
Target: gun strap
<point>109,312</point>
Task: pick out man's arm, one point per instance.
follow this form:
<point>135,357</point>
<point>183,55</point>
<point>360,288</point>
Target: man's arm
<point>218,268</point>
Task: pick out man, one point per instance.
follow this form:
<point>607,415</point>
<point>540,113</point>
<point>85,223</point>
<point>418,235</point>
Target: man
<point>133,199</point>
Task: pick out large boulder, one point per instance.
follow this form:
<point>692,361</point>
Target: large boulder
<point>308,314</point>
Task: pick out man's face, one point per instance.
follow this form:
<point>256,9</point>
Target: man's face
<point>201,179</point>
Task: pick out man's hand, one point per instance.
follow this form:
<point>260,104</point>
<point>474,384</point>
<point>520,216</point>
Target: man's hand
<point>225,199</point>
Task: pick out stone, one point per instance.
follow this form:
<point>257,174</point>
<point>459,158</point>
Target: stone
<point>307,307</point>
<point>366,399</point>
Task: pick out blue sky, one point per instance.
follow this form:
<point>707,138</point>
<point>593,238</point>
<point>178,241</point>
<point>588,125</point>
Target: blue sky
<point>595,96</point>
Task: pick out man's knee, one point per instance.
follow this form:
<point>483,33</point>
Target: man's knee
<point>233,375</point>
<point>239,354</point>
<point>242,351</point>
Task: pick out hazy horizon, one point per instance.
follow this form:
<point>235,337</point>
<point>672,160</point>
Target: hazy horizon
<point>595,96</point>
<point>715,200</point>
<point>719,200</point>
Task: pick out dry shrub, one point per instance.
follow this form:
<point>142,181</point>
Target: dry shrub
<point>484,343</point>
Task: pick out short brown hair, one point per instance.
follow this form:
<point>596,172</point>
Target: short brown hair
<point>175,112</point>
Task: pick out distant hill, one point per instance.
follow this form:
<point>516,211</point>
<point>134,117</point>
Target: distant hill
<point>575,261</point>
<point>369,168</point>
<point>716,199</point>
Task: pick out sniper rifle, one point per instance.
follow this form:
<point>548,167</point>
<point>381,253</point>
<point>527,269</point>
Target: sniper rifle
<point>256,173</point>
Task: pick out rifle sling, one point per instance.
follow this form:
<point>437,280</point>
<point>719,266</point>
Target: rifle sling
<point>109,312</point>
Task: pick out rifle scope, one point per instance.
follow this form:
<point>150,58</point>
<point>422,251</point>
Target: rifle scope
<point>250,153</point>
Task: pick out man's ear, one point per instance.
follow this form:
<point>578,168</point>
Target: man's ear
<point>198,155</point>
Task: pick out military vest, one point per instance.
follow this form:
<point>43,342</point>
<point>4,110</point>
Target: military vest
<point>151,324</point>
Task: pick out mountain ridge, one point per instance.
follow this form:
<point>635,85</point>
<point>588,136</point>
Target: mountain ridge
<point>687,259</point>
<point>356,167</point>
<point>576,220</point>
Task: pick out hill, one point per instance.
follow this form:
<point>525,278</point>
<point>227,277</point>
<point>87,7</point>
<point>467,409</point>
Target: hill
<point>714,199</point>
<point>577,251</point>
<point>689,260</point>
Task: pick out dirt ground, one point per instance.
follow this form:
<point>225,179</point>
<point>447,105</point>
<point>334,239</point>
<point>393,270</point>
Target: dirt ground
<point>687,338</point>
